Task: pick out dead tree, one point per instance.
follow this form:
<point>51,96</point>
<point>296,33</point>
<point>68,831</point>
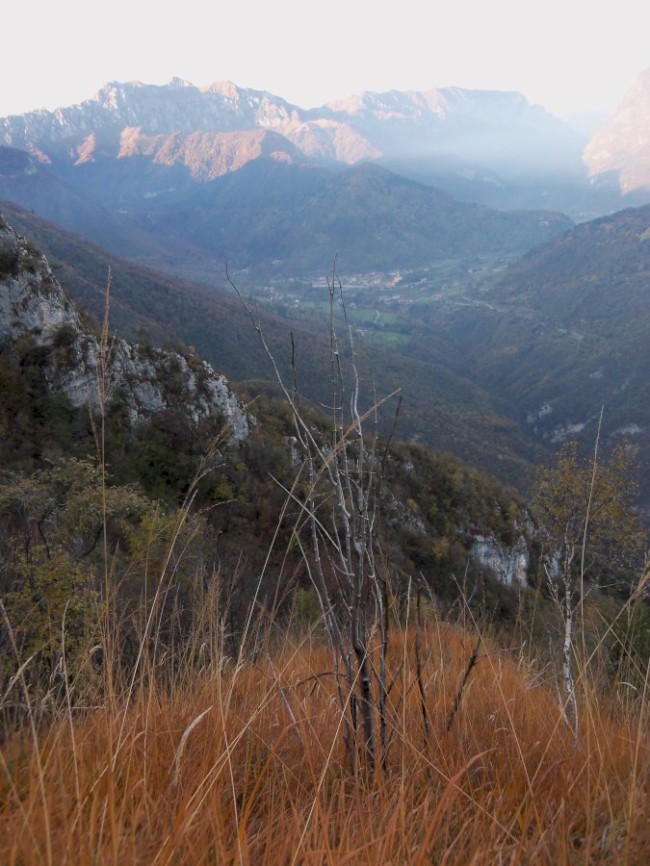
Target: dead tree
<point>336,491</point>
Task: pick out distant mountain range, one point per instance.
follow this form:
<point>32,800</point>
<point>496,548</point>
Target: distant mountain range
<point>498,130</point>
<point>490,147</point>
<point>187,177</point>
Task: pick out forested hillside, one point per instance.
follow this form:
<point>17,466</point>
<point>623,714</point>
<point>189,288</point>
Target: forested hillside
<point>222,603</point>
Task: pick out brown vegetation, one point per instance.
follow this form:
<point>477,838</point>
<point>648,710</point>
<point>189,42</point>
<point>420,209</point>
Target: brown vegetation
<point>244,763</point>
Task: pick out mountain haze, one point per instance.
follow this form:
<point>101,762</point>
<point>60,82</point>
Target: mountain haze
<point>471,123</point>
<point>480,144</point>
<point>35,186</point>
<point>491,147</point>
<point>189,203</point>
<point>618,155</point>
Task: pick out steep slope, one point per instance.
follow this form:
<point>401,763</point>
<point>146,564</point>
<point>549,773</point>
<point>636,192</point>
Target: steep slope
<point>48,328</point>
<point>36,186</point>
<point>565,332</point>
<point>618,155</point>
<point>166,414</point>
<point>441,406</point>
<point>205,155</point>
<point>159,307</point>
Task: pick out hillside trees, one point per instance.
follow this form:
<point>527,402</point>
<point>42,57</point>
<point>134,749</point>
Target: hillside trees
<point>591,538</point>
<point>51,523</point>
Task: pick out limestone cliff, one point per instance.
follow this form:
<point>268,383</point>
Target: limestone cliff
<point>34,307</point>
<point>618,153</point>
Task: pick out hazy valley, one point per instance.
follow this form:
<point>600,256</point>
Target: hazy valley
<point>325,479</point>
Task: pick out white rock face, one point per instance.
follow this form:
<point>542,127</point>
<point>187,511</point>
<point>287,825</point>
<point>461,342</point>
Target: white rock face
<point>566,431</point>
<point>145,381</point>
<point>544,410</point>
<point>155,108</point>
<point>618,152</point>
<point>510,564</point>
<point>31,301</point>
<point>138,378</point>
<point>628,430</point>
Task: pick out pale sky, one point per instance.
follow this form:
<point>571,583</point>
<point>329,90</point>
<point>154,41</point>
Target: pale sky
<point>564,54</point>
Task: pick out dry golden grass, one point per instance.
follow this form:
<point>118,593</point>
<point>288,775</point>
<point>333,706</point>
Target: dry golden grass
<point>246,766</point>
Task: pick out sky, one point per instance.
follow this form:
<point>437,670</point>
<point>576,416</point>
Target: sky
<point>567,55</point>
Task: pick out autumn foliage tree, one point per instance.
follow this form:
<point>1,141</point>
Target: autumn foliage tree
<point>591,538</point>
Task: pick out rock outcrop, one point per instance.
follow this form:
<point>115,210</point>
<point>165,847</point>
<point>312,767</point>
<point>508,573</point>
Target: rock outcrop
<point>146,381</point>
<point>619,153</point>
<point>510,563</point>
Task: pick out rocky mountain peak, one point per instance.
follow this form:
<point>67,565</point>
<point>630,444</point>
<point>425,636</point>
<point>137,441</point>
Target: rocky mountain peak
<point>227,89</point>
<point>494,130</point>
<point>619,153</point>
<point>175,107</point>
<point>112,96</point>
<point>31,300</point>
<point>179,83</point>
<point>364,126</point>
<point>438,104</point>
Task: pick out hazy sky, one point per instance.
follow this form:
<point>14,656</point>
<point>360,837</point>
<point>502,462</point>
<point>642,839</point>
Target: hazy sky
<point>563,54</point>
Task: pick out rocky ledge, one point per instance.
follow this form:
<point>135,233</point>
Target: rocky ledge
<point>83,366</point>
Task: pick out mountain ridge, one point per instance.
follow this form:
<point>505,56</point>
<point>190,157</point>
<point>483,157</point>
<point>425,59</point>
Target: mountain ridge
<point>618,154</point>
<point>443,136</point>
<point>563,335</point>
<point>488,130</point>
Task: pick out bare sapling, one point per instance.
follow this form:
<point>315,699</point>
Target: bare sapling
<point>336,532</point>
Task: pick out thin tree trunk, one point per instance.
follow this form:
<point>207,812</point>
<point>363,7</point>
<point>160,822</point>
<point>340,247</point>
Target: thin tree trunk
<point>570,706</point>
